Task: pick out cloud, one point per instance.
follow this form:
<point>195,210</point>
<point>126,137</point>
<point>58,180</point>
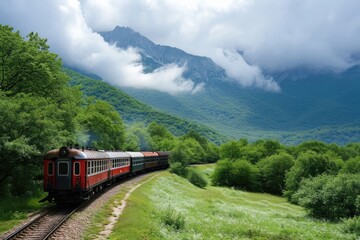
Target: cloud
<point>245,74</point>
<point>270,35</point>
<point>63,23</point>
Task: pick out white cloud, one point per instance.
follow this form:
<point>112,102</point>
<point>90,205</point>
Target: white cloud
<point>271,35</point>
<point>244,73</point>
<point>62,22</point>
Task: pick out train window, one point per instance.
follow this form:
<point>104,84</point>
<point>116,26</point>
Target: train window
<point>77,169</point>
<point>50,168</point>
<point>63,168</point>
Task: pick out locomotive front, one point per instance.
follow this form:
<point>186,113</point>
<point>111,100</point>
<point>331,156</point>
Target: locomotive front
<point>64,177</point>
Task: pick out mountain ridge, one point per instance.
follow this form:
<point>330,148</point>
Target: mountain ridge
<point>309,100</point>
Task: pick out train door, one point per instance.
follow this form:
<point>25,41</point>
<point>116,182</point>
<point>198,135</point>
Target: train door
<point>63,174</point>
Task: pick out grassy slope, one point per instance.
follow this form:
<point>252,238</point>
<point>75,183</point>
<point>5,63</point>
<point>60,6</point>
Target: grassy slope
<point>214,213</point>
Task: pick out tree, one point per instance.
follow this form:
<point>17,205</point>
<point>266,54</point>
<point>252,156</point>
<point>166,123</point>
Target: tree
<point>194,150</point>
<point>211,153</point>
<point>29,127</point>
<point>222,173</point>
<point>230,150</point>
<point>240,174</point>
<point>179,160</point>
<point>310,164</point>
<point>103,124</point>
<point>28,66</point>
<point>272,172</point>
<point>351,166</point>
<point>330,197</point>
<point>161,138</point>
<point>195,135</point>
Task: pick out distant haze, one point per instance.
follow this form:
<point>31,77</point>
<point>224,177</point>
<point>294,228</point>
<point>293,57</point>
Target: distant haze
<point>245,37</point>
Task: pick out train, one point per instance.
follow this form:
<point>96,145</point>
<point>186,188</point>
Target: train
<point>73,174</point>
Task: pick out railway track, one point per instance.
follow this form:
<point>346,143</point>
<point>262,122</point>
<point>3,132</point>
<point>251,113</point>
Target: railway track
<point>44,226</point>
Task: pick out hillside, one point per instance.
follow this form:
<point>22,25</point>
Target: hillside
<point>310,101</point>
<point>133,110</point>
<point>172,208</point>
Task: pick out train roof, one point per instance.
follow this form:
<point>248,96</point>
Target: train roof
<point>163,153</point>
<point>91,154</point>
<point>118,154</point>
<point>76,154</point>
<point>150,154</point>
<point>135,154</point>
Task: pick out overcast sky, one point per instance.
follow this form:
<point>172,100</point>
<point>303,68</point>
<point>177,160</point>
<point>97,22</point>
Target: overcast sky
<point>245,37</point>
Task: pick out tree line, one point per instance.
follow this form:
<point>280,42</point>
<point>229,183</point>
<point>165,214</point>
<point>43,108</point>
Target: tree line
<point>323,178</point>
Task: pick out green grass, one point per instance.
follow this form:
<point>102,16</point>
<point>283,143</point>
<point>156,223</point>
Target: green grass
<point>14,210</point>
<point>101,217</point>
<point>169,207</point>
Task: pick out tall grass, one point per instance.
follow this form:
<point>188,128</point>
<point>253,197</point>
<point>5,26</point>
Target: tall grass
<point>15,209</point>
<point>156,209</point>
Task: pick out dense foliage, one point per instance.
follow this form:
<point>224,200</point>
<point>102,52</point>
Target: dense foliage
<point>39,112</point>
<point>330,197</point>
<point>324,178</point>
<point>239,174</point>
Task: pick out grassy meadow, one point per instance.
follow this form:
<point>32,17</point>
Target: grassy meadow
<point>169,207</point>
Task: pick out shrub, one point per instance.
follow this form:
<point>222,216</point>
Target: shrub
<point>173,219</point>
<point>352,225</point>
<point>351,166</point>
<point>310,164</point>
<point>272,172</point>
<point>239,174</point>
<point>221,174</point>
<point>178,169</point>
<point>245,175</point>
<point>196,178</point>
<point>330,197</point>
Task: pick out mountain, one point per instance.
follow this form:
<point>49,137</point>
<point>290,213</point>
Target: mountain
<point>132,110</point>
<point>310,102</point>
<point>199,69</point>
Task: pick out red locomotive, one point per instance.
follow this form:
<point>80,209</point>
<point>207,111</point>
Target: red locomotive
<point>72,174</point>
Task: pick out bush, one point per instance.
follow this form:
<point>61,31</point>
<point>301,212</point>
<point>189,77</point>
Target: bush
<point>221,174</point>
<point>352,225</point>
<point>330,197</point>
<point>196,178</point>
<point>310,164</point>
<point>351,166</point>
<point>173,219</point>
<point>239,174</point>
<point>272,172</point>
<point>178,169</point>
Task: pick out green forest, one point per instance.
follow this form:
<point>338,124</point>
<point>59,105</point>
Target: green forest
<point>45,106</point>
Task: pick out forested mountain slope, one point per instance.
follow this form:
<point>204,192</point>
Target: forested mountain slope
<point>132,110</point>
